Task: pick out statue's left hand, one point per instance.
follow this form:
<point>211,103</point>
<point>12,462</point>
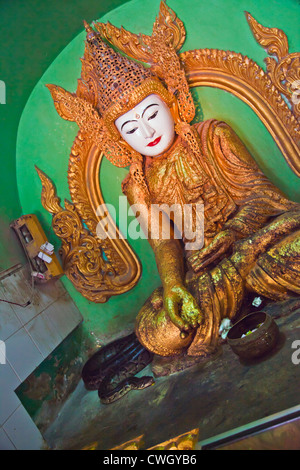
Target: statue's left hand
<point>219,245</point>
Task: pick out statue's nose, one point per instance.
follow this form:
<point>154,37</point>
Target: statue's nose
<point>146,130</point>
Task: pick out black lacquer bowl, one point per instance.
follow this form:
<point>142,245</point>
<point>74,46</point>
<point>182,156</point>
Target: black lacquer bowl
<point>258,342</point>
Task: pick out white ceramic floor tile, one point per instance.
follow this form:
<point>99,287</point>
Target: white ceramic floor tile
<point>22,431</point>
<point>65,315</point>
<point>9,381</point>
<point>22,353</point>
<point>8,405</point>
<point>9,322</point>
<point>17,289</point>
<point>50,291</point>
<point>43,333</point>
<point>5,442</point>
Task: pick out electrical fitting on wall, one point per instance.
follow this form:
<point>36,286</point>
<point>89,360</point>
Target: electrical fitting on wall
<point>40,252</point>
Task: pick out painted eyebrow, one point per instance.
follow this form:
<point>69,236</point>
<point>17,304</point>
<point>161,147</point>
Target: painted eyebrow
<point>134,120</point>
<point>153,104</point>
<point>126,122</point>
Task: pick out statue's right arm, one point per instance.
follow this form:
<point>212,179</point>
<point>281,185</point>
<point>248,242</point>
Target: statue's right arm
<point>168,252</point>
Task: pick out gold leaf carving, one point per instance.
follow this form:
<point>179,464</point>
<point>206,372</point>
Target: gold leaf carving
<point>186,442</point>
<point>84,255</point>
<point>274,40</point>
<point>74,108</point>
<point>173,26</point>
<point>100,268</point>
<point>85,190</point>
<point>138,46</point>
<point>50,201</point>
<point>63,101</point>
<point>244,78</point>
<point>285,71</point>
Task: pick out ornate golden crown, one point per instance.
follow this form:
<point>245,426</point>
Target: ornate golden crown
<point>119,83</point>
<point>111,84</point>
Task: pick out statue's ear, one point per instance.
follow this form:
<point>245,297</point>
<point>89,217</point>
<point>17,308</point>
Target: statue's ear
<point>65,102</point>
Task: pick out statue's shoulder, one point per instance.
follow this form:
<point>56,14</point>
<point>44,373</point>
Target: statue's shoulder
<point>134,185</point>
<point>212,127</point>
<point>227,145</point>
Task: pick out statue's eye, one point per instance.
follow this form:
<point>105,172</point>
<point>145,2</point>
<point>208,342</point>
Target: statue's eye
<point>131,131</point>
<point>153,115</point>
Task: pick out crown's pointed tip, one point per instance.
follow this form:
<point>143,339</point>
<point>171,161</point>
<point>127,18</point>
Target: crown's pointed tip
<point>88,27</point>
<point>50,87</point>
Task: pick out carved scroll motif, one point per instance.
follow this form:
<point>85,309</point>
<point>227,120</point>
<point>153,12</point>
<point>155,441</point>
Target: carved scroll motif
<point>243,78</point>
<point>285,71</point>
<point>97,268</point>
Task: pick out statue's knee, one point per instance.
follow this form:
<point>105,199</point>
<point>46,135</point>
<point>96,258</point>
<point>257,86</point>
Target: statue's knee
<point>276,272</point>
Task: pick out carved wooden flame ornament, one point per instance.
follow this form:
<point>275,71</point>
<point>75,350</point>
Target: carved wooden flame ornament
<point>102,268</point>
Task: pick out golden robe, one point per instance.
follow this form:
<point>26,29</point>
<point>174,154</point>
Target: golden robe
<point>237,197</point>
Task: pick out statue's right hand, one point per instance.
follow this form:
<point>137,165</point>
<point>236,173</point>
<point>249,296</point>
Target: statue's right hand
<point>219,245</point>
<point>182,308</point>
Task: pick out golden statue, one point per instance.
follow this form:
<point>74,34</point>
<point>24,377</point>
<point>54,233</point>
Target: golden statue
<point>141,117</point>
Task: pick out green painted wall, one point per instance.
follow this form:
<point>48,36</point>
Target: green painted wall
<point>45,139</point>
<point>32,34</point>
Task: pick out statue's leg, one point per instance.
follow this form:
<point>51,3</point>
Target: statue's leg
<point>220,293</point>
<point>272,253</point>
<point>267,263</point>
<point>276,274</point>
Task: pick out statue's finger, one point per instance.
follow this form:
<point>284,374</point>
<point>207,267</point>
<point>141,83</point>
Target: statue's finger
<point>175,318</point>
<point>191,313</point>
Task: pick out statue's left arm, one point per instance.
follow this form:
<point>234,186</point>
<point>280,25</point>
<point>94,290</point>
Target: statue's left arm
<point>256,198</point>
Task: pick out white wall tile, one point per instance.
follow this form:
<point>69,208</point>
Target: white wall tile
<point>19,288</point>
<point>22,353</point>
<point>22,431</point>
<point>50,291</point>
<point>5,442</point>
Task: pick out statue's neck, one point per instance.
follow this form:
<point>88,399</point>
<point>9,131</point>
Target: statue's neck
<point>150,161</point>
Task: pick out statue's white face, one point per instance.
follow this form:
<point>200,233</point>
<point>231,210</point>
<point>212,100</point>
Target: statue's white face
<point>149,127</point>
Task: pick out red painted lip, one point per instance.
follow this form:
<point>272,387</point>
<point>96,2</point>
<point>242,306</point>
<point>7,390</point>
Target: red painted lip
<point>154,142</point>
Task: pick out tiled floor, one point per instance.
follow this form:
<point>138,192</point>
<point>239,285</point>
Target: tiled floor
<point>216,397</point>
<point>28,335</point>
